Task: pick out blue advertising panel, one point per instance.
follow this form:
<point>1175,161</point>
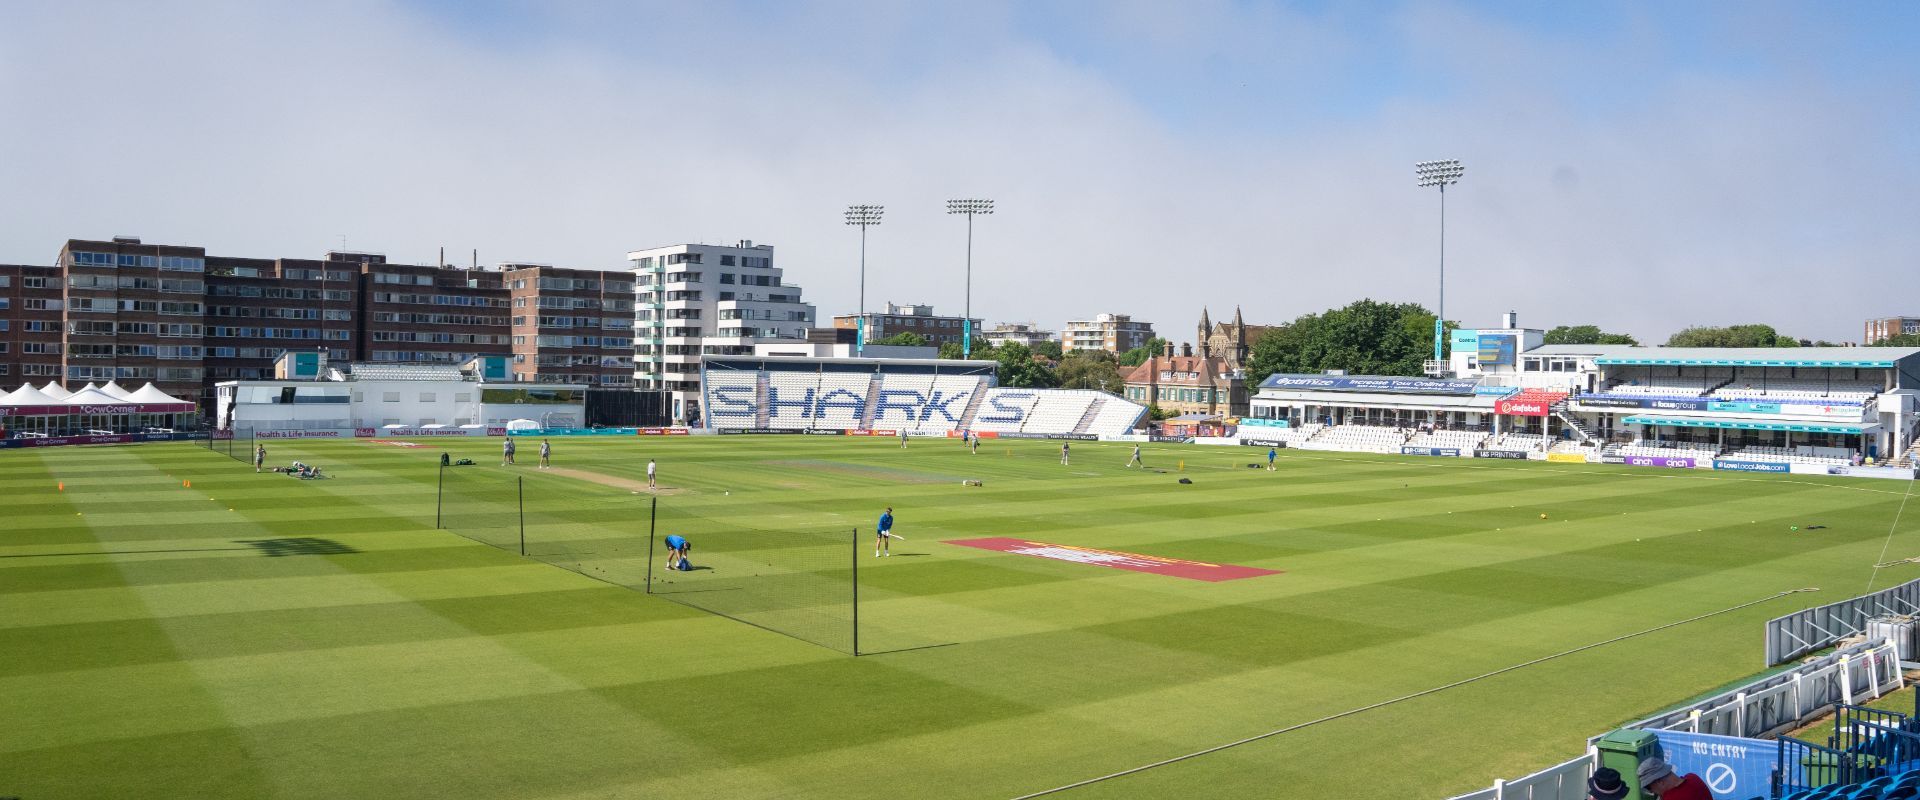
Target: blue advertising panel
<point>1730,766</point>
<point>1255,422</point>
<point>1498,350</point>
<point>1369,383</point>
<point>1736,465</point>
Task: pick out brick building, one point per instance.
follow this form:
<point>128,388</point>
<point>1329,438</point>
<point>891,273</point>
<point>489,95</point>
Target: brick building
<point>917,319</point>
<point>1188,384</point>
<point>132,312</point>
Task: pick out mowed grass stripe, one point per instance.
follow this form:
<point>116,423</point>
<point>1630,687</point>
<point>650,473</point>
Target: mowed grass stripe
<point>1062,668</point>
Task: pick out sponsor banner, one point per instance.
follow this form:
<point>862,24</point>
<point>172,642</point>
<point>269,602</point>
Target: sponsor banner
<point>62,441</point>
<point>222,434</point>
<point>1495,391</point>
<point>1352,383</point>
<point>1023,435</point>
<point>1729,765</point>
<point>83,410</point>
<point>1516,455</point>
<point>1273,443</point>
<point>825,432</point>
<point>1677,462</point>
<point>1594,401</point>
<point>1463,340</point>
<point>1430,451</point>
<point>1681,404</point>
<point>1135,562</point>
<point>1161,437</point>
<point>1078,437</point>
<point>870,432</point>
<point>976,434</point>
<point>1567,458</point>
<point>1743,407</point>
<point>575,432</point>
<point>1736,465</point>
<point>763,430</point>
<point>402,432</point>
<point>311,433</point>
<point>1250,422</point>
<point>1530,407</point>
<point>659,431</point>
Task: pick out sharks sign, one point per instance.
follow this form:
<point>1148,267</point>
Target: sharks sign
<point>889,404</point>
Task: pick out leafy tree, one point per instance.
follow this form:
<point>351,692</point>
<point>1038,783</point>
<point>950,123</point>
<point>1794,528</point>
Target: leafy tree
<point>903,339</point>
<point>1585,334</point>
<point>1755,335</point>
<point>1366,338</point>
<point>1897,340</point>
<point>1155,412</point>
<point>1139,355</point>
<point>982,350</point>
<point>1048,348</point>
<point>1018,369</point>
<point>1090,369</point>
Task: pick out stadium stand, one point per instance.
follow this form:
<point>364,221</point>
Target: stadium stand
<point>1837,392</point>
<point>1517,441</point>
<point>1462,440</point>
<point>928,398</point>
<point>1641,448</point>
<point>1358,439</point>
<point>1786,455</point>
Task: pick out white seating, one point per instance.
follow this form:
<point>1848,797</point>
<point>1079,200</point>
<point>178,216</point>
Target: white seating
<point>1650,449</point>
<point>1843,392</point>
<point>1358,439</point>
<point>795,392</point>
<point>743,385</point>
<point>1786,455</point>
<point>958,389</point>
<point>1004,410</point>
<point>1459,440</point>
<point>843,395</point>
<point>1059,411</point>
<point>1116,417</point>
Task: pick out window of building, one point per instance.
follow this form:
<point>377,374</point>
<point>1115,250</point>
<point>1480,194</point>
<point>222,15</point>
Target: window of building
<point>389,397</point>
<point>426,397</point>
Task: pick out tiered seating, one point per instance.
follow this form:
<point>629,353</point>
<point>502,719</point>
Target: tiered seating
<point>1059,411</point>
<point>1116,417</point>
<point>948,386</point>
<point>989,417</point>
<point>1646,449</point>
<point>841,412</point>
<point>1517,441</point>
<point>1655,390</point>
<point>1359,439</point>
<point>1460,440</point>
<point>1905,786</point>
<point>790,387</point>
<point>1566,446</point>
<point>1786,455</point>
<point>1839,392</point>
<point>733,416</point>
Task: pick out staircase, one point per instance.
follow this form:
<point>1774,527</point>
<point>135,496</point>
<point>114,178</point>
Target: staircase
<point>873,400</point>
<point>973,405</point>
<point>1092,413</point>
<point>762,414</point>
<point>1560,410</point>
<point>1907,459</point>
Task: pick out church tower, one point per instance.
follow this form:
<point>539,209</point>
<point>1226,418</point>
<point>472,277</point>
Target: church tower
<point>1239,338</point>
<point>1206,332</point>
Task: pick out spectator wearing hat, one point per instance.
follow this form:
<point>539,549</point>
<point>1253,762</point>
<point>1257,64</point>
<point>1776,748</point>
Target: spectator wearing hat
<point>1659,780</point>
<point>1606,785</point>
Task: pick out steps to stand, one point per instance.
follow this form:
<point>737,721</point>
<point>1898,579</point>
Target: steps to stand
<point>1086,419</point>
<point>873,399</point>
<point>761,416</point>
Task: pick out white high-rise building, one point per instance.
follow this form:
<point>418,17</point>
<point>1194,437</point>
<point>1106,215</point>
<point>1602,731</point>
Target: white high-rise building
<point>698,299</point>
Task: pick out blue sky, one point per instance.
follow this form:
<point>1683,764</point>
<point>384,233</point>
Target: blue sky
<point>1642,166</point>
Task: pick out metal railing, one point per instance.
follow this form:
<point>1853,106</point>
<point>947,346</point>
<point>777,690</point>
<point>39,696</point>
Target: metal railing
<point>1803,632</point>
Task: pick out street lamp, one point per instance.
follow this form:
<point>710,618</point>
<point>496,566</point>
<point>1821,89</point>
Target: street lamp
<point>865,217</point>
<point>969,208</point>
<point>1440,173</point>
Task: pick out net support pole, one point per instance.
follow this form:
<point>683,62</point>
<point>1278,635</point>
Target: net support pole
<point>855,550</point>
<point>439,492</point>
<point>520,493</point>
<point>653,514</point>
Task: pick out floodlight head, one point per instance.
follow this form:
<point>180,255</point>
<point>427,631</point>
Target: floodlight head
<point>975,206</point>
<point>864,215</point>
<point>1438,173</point>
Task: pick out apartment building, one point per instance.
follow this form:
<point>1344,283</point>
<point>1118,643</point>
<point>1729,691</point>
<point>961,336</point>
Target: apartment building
<point>1878,329</point>
<point>1114,333</point>
<point>1026,333</point>
<point>915,318</point>
<point>692,300</point>
<point>571,326</point>
<point>131,312</point>
<point>31,301</point>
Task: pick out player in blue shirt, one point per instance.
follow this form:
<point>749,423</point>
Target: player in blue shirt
<point>1271,453</point>
<point>677,548</point>
<point>882,533</point>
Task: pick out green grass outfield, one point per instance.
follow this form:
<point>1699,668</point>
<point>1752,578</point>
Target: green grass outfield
<point>257,636</point>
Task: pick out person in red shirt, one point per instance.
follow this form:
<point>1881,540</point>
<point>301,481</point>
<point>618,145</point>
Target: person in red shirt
<point>1658,778</point>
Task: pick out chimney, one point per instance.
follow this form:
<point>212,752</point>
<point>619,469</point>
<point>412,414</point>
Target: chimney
<point>1510,320</point>
<point>1186,349</point>
<point>1169,349</point>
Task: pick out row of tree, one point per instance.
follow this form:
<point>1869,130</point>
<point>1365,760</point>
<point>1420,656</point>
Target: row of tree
<point>1365,337</point>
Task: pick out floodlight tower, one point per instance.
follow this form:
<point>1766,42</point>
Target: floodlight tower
<point>1440,173</point>
<point>864,217</point>
<point>969,208</point>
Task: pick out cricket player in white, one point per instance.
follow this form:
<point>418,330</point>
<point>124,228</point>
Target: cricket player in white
<point>650,467</point>
<point>1135,461</point>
